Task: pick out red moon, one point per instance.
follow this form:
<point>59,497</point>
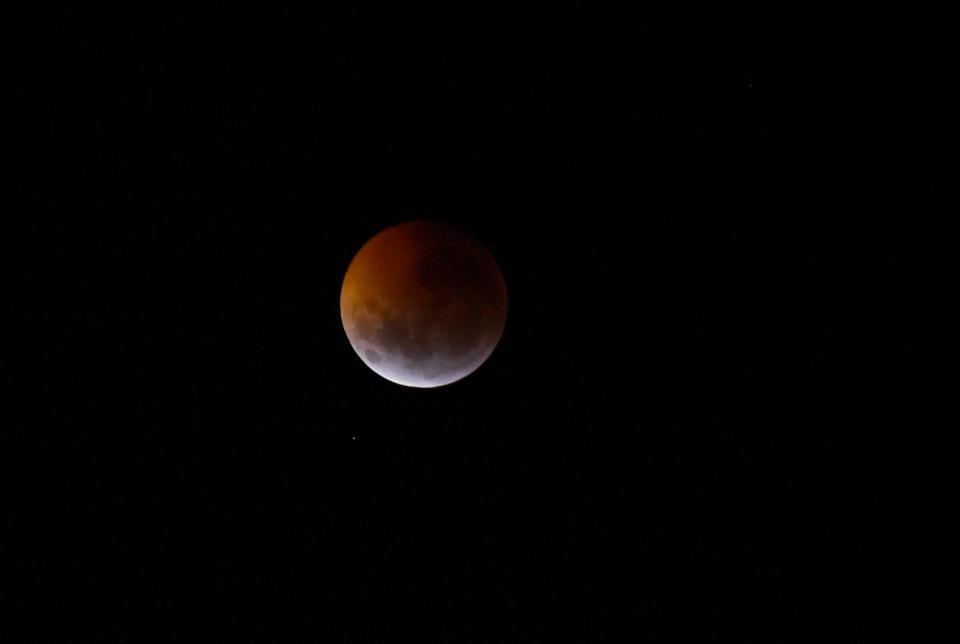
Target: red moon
<point>423,304</point>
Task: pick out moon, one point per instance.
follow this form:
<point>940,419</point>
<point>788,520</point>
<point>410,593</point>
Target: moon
<point>423,304</point>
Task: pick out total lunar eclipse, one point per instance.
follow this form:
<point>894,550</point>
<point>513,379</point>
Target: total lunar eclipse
<point>423,304</point>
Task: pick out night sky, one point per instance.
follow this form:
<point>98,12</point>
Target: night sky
<point>685,434</point>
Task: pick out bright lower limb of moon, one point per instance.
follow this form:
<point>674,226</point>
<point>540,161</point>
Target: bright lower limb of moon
<point>408,352</point>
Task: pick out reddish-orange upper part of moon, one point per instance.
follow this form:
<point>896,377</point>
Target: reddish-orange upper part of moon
<point>423,304</point>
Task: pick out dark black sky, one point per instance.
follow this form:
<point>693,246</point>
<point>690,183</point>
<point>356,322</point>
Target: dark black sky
<point>684,434</point>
